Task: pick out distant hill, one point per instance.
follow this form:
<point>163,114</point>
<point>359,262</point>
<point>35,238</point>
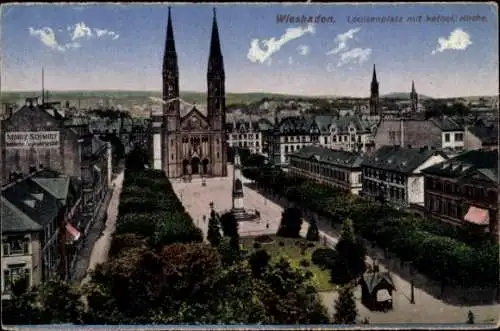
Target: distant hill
<point>140,96</point>
<point>403,96</point>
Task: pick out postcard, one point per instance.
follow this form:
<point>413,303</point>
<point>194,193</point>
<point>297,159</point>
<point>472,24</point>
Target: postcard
<point>180,165</point>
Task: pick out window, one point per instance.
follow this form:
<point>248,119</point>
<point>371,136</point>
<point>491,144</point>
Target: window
<point>334,139</point>
<point>218,155</point>
<point>459,137</point>
<point>217,141</point>
<point>172,142</point>
<point>16,246</point>
<point>172,156</point>
<point>15,273</point>
<point>447,137</point>
<point>286,148</point>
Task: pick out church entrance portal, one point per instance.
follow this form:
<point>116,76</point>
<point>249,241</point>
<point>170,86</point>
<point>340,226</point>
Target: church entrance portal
<point>195,166</point>
<point>204,164</point>
<point>185,167</point>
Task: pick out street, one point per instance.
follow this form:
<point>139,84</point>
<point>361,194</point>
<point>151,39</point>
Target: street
<point>427,309</point>
<point>101,247</point>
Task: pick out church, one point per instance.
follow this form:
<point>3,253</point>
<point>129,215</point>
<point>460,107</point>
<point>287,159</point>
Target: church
<point>191,142</point>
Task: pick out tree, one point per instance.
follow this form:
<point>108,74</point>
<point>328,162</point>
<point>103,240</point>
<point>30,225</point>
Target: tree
<point>313,231</point>
<point>291,223</point>
<point>213,234</point>
<point>259,261</point>
<point>229,225</point>
<point>345,307</point>
<point>351,252</point>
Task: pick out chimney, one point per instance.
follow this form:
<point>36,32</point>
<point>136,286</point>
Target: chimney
<point>109,163</point>
<point>401,127</point>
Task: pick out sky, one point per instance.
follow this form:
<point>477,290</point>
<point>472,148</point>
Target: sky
<point>332,52</point>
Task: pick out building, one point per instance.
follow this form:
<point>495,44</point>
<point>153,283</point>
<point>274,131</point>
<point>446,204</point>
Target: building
<point>39,228</point>
<point>247,134</point>
<point>34,139</point>
<point>192,143</point>
<point>290,135</point>
<point>375,108</point>
<point>481,136</point>
<point>339,169</point>
<point>348,133</point>
<point>464,190</point>
<point>440,133</point>
<point>376,290</point>
<point>393,173</point>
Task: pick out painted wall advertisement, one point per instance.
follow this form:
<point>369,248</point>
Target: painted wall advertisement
<point>34,139</point>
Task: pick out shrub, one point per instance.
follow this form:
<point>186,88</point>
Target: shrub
<point>281,243</point>
<point>305,263</point>
<point>291,223</point>
<point>324,257</point>
<point>264,239</point>
<point>259,261</point>
<point>257,245</point>
<point>310,245</point>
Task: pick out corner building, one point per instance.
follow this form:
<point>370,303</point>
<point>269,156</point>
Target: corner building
<point>192,143</point>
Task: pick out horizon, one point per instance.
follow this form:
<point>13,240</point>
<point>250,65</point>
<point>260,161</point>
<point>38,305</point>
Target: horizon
<point>105,47</point>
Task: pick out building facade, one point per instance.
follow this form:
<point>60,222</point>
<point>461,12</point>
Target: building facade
<point>247,134</point>
<point>481,136</point>
<point>464,190</point>
<point>439,133</point>
<point>339,169</point>
<point>192,143</point>
<point>394,174</point>
<point>39,228</point>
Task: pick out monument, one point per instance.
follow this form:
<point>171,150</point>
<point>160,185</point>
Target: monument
<point>238,210</point>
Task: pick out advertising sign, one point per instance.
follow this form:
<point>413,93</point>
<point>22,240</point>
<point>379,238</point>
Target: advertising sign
<point>33,139</point>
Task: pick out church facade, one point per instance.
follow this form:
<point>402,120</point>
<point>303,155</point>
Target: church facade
<point>192,142</point>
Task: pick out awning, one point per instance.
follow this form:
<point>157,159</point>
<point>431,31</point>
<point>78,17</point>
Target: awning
<point>477,216</point>
<point>383,295</point>
<point>72,233</point>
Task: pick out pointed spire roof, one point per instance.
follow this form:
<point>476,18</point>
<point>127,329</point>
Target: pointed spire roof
<point>169,41</point>
<point>215,59</point>
<point>413,86</point>
<point>215,41</point>
<point>374,78</point>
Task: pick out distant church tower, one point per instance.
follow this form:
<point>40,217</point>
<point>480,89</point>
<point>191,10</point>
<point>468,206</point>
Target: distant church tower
<point>374,96</point>
<point>192,143</point>
<point>414,98</point>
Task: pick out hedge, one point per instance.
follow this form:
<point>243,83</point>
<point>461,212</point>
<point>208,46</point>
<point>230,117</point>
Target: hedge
<point>150,209</point>
<point>408,237</point>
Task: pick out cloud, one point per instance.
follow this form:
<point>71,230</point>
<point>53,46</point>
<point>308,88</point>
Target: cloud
<point>81,31</point>
<point>77,32</point>
<point>105,32</point>
<point>48,38</point>
<point>457,40</point>
<point>356,55</point>
<point>290,60</point>
<point>341,41</point>
<point>303,50</point>
<point>272,46</point>
<point>330,67</point>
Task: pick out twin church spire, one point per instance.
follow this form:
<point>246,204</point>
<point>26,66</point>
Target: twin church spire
<point>215,79</point>
<point>215,59</point>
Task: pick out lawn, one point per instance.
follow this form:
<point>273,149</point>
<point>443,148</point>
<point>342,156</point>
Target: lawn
<point>293,252</point>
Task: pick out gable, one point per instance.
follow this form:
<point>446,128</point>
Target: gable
<point>194,121</point>
<point>31,119</point>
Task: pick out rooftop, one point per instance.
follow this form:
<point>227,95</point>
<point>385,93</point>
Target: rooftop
<point>343,159</point>
<point>395,158</point>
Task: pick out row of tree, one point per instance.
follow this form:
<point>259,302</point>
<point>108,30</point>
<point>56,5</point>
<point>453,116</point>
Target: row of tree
<point>438,256</point>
